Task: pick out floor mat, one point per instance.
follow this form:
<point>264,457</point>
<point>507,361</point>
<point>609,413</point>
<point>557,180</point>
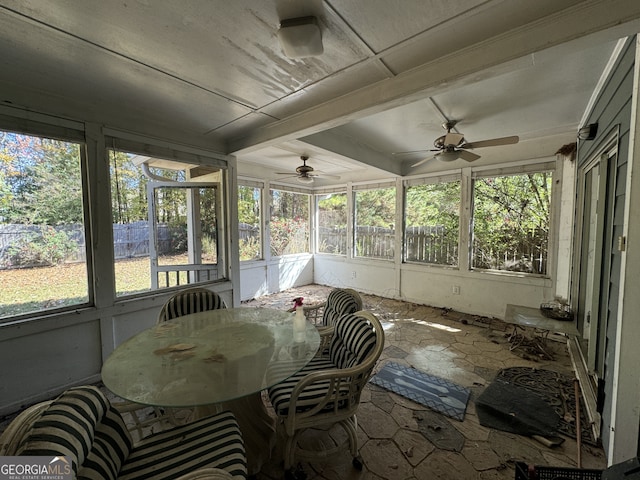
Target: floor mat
<point>555,390</point>
<point>433,392</point>
<point>514,409</point>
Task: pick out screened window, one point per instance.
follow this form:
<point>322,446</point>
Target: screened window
<point>165,224</point>
<point>249,199</point>
<point>289,223</point>
<point>432,222</point>
<point>42,225</point>
<point>374,229</point>
<point>511,219</point>
<point>332,223</point>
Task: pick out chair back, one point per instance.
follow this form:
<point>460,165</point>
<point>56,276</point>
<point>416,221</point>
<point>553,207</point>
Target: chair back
<point>189,301</point>
<point>340,302</point>
<point>356,345</point>
<point>77,425</point>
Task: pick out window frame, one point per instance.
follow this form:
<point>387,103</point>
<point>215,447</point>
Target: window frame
<point>69,132</point>
<point>316,200</point>
<point>554,167</point>
<point>191,160</point>
<point>309,222</point>
<point>354,216</point>
<point>430,180</point>
<point>244,183</point>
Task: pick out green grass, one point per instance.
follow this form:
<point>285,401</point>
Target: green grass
<point>29,290</point>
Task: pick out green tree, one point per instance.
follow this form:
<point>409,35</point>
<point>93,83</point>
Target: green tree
<point>376,208</point>
<point>432,223</point>
<point>249,205</point>
<point>289,222</point>
<point>40,180</point>
<point>511,221</point>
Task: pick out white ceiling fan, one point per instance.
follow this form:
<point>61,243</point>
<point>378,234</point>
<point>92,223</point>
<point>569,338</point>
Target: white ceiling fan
<point>306,173</point>
<point>452,146</point>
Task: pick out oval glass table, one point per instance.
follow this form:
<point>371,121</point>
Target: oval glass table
<point>219,359</point>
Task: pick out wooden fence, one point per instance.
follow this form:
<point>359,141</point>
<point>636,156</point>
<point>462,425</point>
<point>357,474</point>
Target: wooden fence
<point>129,240</point>
<point>433,245</point>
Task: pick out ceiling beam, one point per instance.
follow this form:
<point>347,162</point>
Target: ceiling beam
<point>352,148</point>
<point>609,19</point>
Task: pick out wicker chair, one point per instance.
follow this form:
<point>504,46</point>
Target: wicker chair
<point>189,301</point>
<point>339,302</point>
<point>82,425</point>
<point>327,391</point>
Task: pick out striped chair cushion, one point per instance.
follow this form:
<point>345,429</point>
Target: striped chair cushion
<point>339,303</point>
<point>191,302</point>
<point>111,447</point>
<point>68,428</point>
<point>210,442</point>
<point>281,393</point>
<point>353,339</point>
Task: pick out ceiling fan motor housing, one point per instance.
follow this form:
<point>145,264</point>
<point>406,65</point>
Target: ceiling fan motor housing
<point>304,169</point>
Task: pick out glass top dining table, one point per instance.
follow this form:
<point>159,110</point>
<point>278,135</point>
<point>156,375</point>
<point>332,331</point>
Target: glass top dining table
<point>209,357</point>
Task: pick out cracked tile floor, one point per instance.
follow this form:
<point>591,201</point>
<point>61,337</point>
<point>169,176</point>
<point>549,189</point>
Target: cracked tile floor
<point>464,349</point>
<point>402,440</point>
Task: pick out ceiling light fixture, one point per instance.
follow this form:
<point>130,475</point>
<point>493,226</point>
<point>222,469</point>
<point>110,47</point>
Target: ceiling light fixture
<point>305,179</point>
<point>300,37</point>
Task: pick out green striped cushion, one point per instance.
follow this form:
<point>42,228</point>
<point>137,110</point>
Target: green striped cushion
<point>353,339</point>
<point>68,426</point>
<point>339,303</point>
<point>210,442</point>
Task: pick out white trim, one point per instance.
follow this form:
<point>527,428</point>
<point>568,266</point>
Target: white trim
<point>497,171</point>
<point>20,113</point>
<point>137,138</point>
<point>608,69</point>
<point>249,182</point>
<point>430,180</point>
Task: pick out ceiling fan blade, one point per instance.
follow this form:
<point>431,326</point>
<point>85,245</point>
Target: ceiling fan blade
<point>325,175</point>
<point>468,156</point>
<point>420,162</point>
<point>494,142</point>
<point>453,138</point>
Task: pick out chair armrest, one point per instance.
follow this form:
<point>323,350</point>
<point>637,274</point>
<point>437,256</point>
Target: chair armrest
<point>326,334</point>
<point>314,312</point>
<point>207,474</point>
<point>342,386</point>
<point>19,427</point>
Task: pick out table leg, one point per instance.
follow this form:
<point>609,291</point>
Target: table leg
<point>256,425</point>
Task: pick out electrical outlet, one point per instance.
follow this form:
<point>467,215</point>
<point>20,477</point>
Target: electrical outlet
<point>455,289</point>
<point>353,274</point>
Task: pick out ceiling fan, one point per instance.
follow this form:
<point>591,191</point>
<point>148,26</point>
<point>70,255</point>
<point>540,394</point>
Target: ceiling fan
<point>451,146</point>
<point>305,173</point>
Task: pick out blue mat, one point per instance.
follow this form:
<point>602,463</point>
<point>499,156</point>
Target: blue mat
<point>433,392</point>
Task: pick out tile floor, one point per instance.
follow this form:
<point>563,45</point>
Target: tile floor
<point>464,349</point>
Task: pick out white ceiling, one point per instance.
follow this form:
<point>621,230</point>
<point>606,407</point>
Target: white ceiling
<point>212,73</point>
